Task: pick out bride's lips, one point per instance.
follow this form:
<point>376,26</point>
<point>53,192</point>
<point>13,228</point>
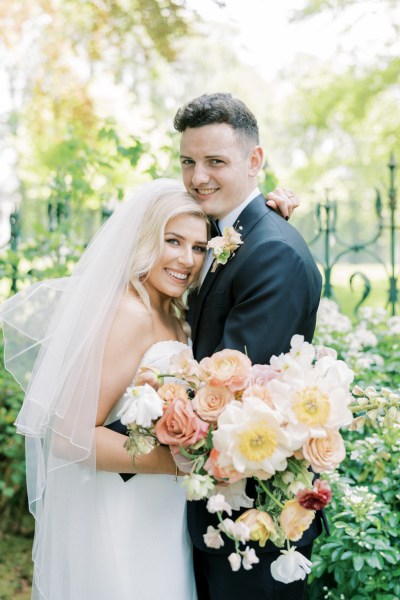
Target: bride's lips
<point>178,276</point>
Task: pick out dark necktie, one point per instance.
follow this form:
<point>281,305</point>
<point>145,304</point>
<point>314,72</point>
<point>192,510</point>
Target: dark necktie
<point>215,230</point>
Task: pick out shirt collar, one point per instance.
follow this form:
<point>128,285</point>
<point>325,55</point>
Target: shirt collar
<point>231,217</point>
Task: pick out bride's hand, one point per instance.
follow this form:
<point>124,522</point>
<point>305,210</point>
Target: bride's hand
<point>283,201</point>
<point>184,464</point>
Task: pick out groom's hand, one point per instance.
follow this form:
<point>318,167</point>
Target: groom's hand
<point>283,201</point>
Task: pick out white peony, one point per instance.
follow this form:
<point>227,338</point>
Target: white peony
<point>142,406</point>
<point>290,566</point>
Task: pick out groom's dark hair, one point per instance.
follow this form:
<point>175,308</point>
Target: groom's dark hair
<point>209,109</point>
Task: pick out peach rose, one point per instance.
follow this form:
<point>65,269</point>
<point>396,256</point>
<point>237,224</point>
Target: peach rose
<point>229,368</point>
<point>184,364</point>
<point>295,520</point>
<point>179,425</point>
<point>259,391</point>
<point>325,454</point>
<point>261,525</point>
<point>227,474</point>
<point>169,391</point>
<point>210,401</point>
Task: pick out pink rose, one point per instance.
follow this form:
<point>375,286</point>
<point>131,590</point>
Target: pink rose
<point>229,368</point>
<point>210,401</point>
<point>316,498</point>
<point>325,454</point>
<point>179,425</point>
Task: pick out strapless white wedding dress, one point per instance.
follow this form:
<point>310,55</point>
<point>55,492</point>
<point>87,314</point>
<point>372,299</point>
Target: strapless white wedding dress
<point>144,551</point>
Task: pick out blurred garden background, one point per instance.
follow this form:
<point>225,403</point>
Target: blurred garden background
<point>88,91</point>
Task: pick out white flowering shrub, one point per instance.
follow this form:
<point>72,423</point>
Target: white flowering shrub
<point>361,558</point>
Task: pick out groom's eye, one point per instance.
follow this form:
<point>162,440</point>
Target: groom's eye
<point>187,161</point>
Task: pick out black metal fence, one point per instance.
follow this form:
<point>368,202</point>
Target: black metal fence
<point>334,248</point>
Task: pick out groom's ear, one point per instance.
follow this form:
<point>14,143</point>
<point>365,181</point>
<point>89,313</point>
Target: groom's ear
<point>256,160</point>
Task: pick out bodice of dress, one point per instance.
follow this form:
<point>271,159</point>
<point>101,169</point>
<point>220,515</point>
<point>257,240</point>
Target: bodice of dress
<point>157,356</point>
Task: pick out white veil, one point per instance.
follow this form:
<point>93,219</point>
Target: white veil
<point>55,332</point>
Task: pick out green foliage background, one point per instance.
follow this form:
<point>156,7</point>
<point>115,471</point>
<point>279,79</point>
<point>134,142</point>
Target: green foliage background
<point>92,90</point>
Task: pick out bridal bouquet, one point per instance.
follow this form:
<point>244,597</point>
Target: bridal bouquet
<point>227,420</point>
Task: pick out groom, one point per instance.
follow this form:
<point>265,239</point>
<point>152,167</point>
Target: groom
<point>255,303</point>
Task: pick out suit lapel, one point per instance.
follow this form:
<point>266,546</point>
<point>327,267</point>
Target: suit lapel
<point>244,224</point>
<point>208,282</point>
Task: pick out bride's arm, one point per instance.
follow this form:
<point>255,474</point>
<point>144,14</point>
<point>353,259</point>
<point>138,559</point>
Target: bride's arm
<point>130,336</point>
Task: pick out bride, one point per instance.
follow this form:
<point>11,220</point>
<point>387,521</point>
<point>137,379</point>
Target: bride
<point>79,342</point>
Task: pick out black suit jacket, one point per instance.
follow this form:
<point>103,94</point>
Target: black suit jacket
<point>266,293</point>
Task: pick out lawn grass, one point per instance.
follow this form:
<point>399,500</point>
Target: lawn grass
<point>348,296</point>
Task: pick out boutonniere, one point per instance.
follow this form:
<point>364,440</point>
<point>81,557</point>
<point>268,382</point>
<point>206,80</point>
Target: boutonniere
<point>223,246</point>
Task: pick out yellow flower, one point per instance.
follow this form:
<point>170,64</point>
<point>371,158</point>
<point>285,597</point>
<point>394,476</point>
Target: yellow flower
<point>250,439</point>
<point>295,519</point>
<point>312,406</point>
<point>261,525</point>
<point>258,442</point>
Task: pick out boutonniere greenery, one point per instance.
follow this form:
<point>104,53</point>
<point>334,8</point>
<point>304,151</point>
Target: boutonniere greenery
<point>223,246</point>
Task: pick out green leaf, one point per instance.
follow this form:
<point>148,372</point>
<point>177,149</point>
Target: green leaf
<point>358,562</point>
<point>375,561</point>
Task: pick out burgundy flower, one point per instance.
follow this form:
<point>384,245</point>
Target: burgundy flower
<point>316,498</point>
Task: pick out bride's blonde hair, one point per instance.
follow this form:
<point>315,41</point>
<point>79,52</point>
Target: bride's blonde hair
<point>165,205</point>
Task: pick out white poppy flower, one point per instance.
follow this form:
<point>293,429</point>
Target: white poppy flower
<point>250,439</point>
<point>290,566</point>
